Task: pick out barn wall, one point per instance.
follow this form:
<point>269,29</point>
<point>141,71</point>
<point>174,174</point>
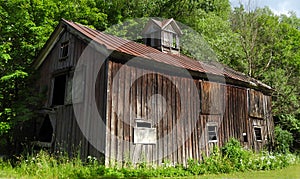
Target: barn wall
<point>69,135</point>
<point>138,93</point>
<point>260,116</point>
<point>181,115</point>
<point>180,108</point>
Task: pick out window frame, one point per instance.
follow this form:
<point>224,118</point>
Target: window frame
<point>215,125</point>
<point>64,50</point>
<point>54,88</point>
<point>138,130</point>
<point>68,77</point>
<point>261,133</point>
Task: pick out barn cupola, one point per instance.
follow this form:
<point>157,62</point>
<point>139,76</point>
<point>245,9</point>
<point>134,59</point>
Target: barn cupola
<point>162,35</point>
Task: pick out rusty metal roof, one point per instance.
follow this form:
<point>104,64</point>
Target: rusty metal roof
<point>140,50</point>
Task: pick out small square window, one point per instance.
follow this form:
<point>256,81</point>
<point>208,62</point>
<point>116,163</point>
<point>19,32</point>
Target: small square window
<point>144,133</point>
<point>64,49</point>
<point>212,133</point>
<point>258,133</point>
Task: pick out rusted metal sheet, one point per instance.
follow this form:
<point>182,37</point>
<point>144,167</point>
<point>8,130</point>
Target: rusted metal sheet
<point>140,50</point>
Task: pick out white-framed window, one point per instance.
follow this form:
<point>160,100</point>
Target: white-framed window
<point>212,132</point>
<point>258,133</point>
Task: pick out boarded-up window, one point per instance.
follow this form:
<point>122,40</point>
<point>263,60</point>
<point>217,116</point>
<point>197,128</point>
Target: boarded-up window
<point>256,104</point>
<point>144,133</point>
<point>212,98</point>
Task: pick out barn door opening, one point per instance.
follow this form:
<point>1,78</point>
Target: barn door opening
<point>46,131</point>
<point>58,97</point>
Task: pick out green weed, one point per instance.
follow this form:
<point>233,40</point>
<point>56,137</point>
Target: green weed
<point>229,159</point>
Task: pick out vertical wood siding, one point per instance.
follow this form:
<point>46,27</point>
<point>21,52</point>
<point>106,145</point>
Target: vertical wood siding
<point>180,120</point>
<point>68,135</point>
<point>143,94</point>
<point>178,107</point>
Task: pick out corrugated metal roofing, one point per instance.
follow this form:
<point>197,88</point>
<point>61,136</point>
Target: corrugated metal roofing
<point>140,50</point>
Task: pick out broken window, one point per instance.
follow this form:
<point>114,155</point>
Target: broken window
<point>258,133</point>
<point>67,89</point>
<point>212,132</point>
<point>64,49</point>
<point>58,96</point>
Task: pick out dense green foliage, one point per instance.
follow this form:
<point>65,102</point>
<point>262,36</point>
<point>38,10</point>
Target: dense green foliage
<point>254,41</point>
<point>231,158</point>
<point>284,140</point>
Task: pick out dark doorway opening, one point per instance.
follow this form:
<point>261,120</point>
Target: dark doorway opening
<point>59,90</point>
<point>46,131</point>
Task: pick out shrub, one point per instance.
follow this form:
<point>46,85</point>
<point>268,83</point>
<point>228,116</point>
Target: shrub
<point>238,156</point>
<point>283,140</point>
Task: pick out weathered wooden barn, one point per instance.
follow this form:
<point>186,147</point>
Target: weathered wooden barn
<point>152,103</point>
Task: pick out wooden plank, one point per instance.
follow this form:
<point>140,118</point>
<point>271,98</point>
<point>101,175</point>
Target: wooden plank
<point>179,123</point>
<point>114,118</point>
<point>133,111</point>
<point>139,94</point>
<point>127,100</point>
<point>164,104</point>
<point>160,118</point>
<point>120,114</point>
<point>154,115</point>
<point>173,122</point>
<point>183,120</point>
<point>169,117</point>
<point>189,117</point>
<point>149,93</point>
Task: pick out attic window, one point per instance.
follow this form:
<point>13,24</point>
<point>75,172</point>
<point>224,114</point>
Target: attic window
<point>212,132</point>
<point>64,50</point>
<point>174,41</point>
<point>258,133</point>
<point>170,39</point>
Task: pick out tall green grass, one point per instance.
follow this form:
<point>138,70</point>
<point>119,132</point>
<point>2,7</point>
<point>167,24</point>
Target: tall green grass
<point>229,159</point>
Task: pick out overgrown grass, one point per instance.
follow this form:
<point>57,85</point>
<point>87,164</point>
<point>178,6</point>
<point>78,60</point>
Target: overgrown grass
<point>231,158</point>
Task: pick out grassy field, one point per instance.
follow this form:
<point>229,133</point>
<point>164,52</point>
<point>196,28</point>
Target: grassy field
<point>44,165</point>
<point>289,172</point>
